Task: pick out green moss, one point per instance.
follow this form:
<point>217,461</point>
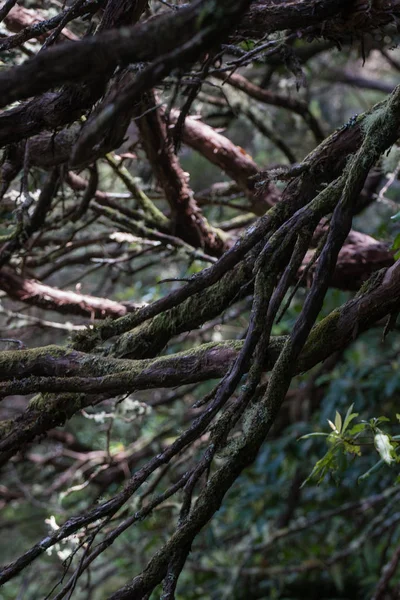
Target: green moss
<point>41,402</point>
<point>15,359</point>
<point>156,217</point>
<point>374,119</point>
<point>67,404</point>
<point>5,427</point>
<point>151,336</point>
<point>322,333</point>
<point>373,282</point>
<point>89,338</point>
<point>379,128</point>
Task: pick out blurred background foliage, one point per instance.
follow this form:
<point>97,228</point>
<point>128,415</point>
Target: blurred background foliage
<point>271,538</point>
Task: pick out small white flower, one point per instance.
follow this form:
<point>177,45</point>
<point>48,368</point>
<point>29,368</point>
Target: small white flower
<point>384,447</point>
<point>52,522</point>
<point>332,426</point>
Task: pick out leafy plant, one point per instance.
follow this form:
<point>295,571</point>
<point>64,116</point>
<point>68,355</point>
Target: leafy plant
<point>345,441</point>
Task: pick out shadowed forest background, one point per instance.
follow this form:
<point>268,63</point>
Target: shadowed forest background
<point>199,291</point>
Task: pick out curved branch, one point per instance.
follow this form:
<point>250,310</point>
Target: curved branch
<point>232,159</point>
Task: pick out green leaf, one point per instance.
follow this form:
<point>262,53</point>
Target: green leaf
<point>323,466</point>
<point>338,422</point>
<point>349,418</point>
<point>357,428</point>
<point>338,575</point>
<point>352,448</point>
<point>310,435</point>
<point>396,242</point>
<point>382,420</point>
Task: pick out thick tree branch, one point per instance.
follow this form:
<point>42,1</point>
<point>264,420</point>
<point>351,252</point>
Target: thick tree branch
<point>53,369</point>
<point>21,18</point>
<point>35,293</point>
<point>91,57</point>
<point>232,159</point>
<point>187,219</point>
<point>328,18</point>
